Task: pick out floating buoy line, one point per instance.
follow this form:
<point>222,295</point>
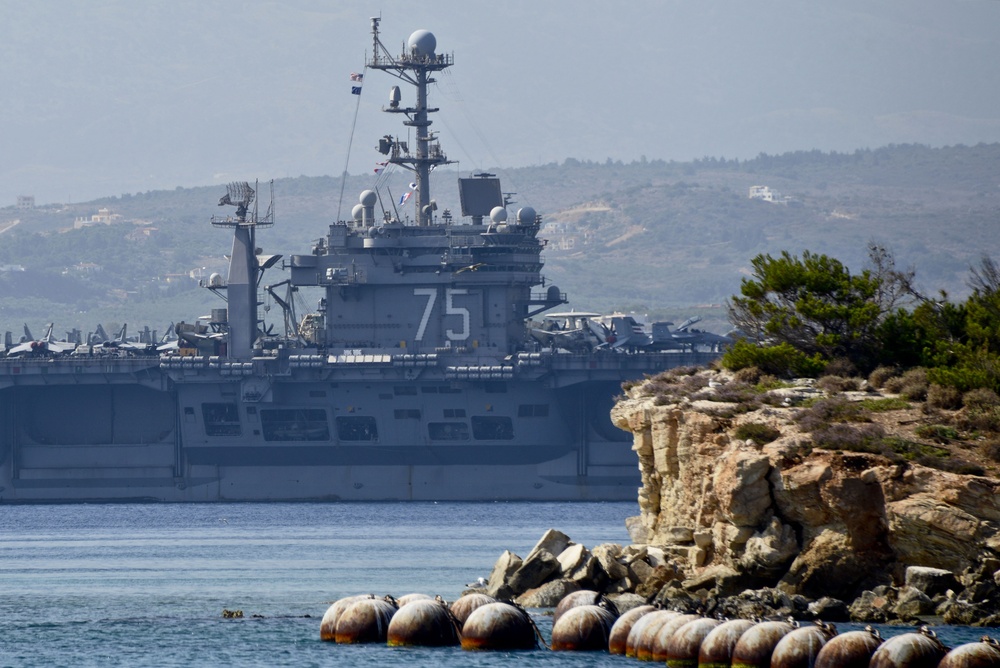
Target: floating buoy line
<point>586,621</point>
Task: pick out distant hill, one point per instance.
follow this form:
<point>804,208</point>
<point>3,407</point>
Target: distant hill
<point>665,238</point>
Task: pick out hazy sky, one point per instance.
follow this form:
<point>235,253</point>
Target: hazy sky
<point>111,96</point>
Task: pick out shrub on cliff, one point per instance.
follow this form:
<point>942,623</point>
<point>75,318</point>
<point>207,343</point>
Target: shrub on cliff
<point>819,308</point>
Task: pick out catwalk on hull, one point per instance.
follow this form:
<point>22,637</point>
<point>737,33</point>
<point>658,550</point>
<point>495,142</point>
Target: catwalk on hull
<point>427,372</point>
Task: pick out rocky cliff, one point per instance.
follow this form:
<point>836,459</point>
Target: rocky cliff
<point>815,491</point>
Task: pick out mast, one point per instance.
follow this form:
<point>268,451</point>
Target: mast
<point>415,66</point>
<point>244,268</point>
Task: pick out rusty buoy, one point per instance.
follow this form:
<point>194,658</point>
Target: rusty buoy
<point>463,607</point>
<point>658,648</point>
<point>584,628</point>
<point>424,622</point>
<point>982,654</point>
<point>717,647</point>
<point>365,621</point>
<point>623,626</point>
<point>910,650</point>
<point>498,626</point>
<point>754,648</point>
<point>684,646</point>
<point>853,649</point>
<point>328,627</point>
<point>574,599</point>
<point>410,598</point>
<point>800,648</point>
<point>640,638</point>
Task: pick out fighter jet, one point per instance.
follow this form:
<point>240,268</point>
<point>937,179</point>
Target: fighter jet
<point>686,337</point>
<point>47,345</point>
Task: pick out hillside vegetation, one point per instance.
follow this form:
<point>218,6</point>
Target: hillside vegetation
<point>667,239</point>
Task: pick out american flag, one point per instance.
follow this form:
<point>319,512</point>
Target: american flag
<point>356,77</point>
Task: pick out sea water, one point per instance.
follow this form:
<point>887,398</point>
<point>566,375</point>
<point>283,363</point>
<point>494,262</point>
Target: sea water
<point>146,585</point>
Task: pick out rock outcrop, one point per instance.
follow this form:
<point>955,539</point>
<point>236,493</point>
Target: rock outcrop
<point>736,514</point>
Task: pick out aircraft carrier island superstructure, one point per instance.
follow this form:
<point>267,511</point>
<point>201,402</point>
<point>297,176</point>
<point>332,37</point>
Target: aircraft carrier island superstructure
<point>429,370</point>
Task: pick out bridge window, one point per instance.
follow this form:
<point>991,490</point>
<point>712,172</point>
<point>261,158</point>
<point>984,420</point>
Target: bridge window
<point>448,431</point>
<point>357,428</point>
<point>295,424</point>
<point>492,428</point>
<point>533,410</point>
<point>221,419</point>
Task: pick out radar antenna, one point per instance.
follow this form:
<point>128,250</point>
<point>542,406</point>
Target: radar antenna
<point>244,266</point>
<point>414,66</point>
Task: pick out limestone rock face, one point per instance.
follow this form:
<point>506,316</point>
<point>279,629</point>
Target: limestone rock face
<point>816,522</point>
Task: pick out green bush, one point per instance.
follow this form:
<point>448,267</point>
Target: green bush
<point>885,404</point>
<point>782,360</point>
<point>879,376</point>
<point>861,438</point>
<point>944,396</point>
<point>829,411</point>
<point>938,433</point>
<point>981,398</point>
<point>835,384</point>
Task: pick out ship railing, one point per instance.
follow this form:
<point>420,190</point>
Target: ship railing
<point>492,372</point>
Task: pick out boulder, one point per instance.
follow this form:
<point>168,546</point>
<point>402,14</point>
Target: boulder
<point>607,555</point>
<point>506,565</point>
<point>931,581</point>
<point>533,571</point>
<point>548,595</point>
<point>552,541</point>
<point>829,609</point>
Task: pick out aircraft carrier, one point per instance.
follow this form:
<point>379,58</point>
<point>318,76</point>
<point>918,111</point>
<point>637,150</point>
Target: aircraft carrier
<point>429,370</point>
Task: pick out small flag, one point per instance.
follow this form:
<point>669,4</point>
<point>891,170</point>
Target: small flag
<point>355,90</point>
<point>356,77</point>
<point>413,186</point>
<point>404,197</point>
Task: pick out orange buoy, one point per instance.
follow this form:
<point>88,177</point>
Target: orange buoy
<point>623,626</point>
<point>328,627</point>
<point>422,622</point>
<point>498,626</point>
<point>365,621</point>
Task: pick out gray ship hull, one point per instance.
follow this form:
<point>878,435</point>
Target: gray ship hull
<point>77,429</point>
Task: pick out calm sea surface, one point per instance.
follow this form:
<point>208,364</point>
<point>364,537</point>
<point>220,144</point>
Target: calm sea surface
<point>145,585</point>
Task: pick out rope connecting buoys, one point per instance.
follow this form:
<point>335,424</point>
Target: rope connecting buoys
<point>623,626</point>
<point>498,626</point>
<point>422,622</point>
<point>583,628</point>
